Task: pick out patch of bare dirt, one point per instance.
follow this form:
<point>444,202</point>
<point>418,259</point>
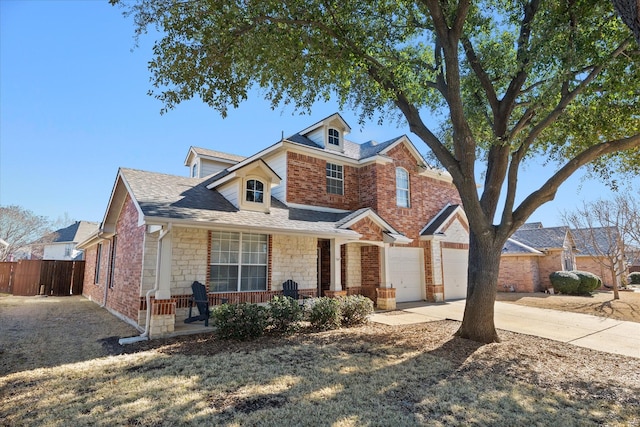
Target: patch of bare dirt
<point>598,304</point>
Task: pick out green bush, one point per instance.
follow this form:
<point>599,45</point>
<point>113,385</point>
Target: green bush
<point>634,278</point>
<point>284,314</point>
<point>325,313</point>
<point>355,310</point>
<point>564,282</point>
<point>239,321</point>
<point>589,282</point>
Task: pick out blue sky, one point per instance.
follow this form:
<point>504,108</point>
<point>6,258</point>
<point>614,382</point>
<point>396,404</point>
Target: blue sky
<point>74,107</point>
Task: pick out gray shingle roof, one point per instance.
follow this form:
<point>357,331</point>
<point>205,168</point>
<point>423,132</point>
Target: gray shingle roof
<point>75,232</point>
<point>181,198</point>
<point>595,241</point>
<point>439,220</point>
<point>218,154</point>
<point>540,238</point>
<point>352,150</point>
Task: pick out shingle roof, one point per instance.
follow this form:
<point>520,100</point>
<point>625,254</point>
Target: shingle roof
<point>219,154</point>
<point>75,232</point>
<point>352,150</point>
<point>539,238</point>
<point>595,241</point>
<point>181,198</point>
<point>438,220</point>
<point>516,248</point>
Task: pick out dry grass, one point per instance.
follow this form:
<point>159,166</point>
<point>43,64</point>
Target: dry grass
<point>599,304</point>
<point>373,375</point>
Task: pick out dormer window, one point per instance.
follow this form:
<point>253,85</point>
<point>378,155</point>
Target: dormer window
<point>194,170</point>
<point>255,191</point>
<point>334,137</point>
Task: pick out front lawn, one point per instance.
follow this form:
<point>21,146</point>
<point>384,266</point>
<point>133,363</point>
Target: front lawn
<point>373,375</point>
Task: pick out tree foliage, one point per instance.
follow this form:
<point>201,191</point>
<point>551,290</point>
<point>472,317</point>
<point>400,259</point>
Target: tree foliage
<point>514,79</point>
<point>19,227</point>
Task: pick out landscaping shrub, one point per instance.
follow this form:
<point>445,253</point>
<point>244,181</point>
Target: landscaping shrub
<point>325,313</point>
<point>564,282</point>
<point>589,282</point>
<point>355,310</point>
<point>239,321</point>
<point>634,278</point>
<point>284,314</point>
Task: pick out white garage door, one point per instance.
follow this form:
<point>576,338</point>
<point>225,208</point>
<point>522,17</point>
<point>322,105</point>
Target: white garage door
<point>405,269</point>
<point>455,263</point>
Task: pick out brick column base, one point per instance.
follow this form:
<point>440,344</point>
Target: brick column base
<point>335,294</point>
<point>386,298</point>
<point>435,293</point>
<point>163,317</point>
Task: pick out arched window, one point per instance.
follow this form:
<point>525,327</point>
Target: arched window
<point>255,191</point>
<point>334,137</point>
<point>402,187</point>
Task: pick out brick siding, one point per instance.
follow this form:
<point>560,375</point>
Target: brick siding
<point>123,297</point>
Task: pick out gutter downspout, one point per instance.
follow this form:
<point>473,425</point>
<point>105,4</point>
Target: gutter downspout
<point>145,335</point>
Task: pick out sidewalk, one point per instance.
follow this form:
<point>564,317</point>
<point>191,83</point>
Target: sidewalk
<point>598,333</point>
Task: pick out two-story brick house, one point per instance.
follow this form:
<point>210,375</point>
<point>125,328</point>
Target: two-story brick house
<point>335,216</point>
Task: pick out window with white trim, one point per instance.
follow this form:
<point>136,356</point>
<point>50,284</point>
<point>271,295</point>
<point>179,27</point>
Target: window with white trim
<point>254,191</point>
<point>402,187</point>
<point>194,170</point>
<point>112,262</point>
<point>334,137</point>
<point>335,181</point>
<point>238,262</point>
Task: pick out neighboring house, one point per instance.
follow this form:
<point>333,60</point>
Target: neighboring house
<point>597,248</point>
<point>531,254</point>
<point>61,244</point>
<point>335,216</point>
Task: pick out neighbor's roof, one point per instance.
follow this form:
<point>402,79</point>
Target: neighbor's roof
<point>595,241</point>
<point>540,238</point>
<point>170,197</point>
<point>76,232</point>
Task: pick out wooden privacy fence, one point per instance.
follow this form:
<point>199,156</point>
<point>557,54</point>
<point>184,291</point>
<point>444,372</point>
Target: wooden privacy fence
<point>42,277</point>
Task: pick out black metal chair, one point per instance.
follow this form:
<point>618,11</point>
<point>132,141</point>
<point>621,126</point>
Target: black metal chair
<point>201,300</point>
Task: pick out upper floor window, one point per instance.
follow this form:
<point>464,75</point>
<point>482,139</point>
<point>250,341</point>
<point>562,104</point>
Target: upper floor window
<point>194,170</point>
<point>334,137</point>
<point>255,191</point>
<point>334,179</point>
<point>402,187</point>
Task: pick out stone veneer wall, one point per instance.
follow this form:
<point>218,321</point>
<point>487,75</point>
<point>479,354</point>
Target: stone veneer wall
<point>296,258</point>
<point>353,266</point>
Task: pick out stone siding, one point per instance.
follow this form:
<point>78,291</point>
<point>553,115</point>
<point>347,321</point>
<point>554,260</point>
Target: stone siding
<point>189,253</point>
<point>295,258</point>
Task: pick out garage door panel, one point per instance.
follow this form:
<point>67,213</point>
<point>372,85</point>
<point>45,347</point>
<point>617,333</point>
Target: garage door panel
<point>455,265</point>
<point>406,273</point>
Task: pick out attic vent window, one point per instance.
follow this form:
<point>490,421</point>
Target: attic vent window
<point>255,191</point>
<point>334,137</point>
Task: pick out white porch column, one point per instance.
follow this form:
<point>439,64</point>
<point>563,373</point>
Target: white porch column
<point>334,253</point>
<point>164,266</point>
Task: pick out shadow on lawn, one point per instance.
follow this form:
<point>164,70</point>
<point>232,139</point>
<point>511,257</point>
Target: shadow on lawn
<point>318,379</point>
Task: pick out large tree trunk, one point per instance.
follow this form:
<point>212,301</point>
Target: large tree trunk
<point>484,265</point>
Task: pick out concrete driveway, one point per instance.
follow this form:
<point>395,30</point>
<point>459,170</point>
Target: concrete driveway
<point>598,333</point>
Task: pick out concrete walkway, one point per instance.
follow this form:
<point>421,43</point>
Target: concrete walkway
<point>598,333</point>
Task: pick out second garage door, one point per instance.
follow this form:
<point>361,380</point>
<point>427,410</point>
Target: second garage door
<point>455,263</point>
<point>405,268</point>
